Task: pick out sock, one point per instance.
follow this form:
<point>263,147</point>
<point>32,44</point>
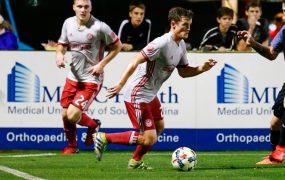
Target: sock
<point>140,152</point>
<point>128,137</point>
<point>70,133</point>
<point>282,130</point>
<point>274,138</point>
<point>87,121</point>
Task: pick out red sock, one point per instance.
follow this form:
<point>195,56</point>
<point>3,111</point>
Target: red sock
<point>70,133</point>
<point>86,121</point>
<point>128,137</point>
<point>140,152</point>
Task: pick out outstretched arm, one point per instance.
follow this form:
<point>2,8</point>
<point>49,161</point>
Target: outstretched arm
<point>265,51</point>
<point>113,91</point>
<point>189,71</point>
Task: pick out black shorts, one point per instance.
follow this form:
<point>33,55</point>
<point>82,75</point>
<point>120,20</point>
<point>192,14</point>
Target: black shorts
<point>278,105</point>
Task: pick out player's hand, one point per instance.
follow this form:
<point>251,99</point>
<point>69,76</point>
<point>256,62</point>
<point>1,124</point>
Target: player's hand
<point>127,47</point>
<point>208,65</point>
<point>113,91</point>
<point>60,61</point>
<point>246,36</point>
<point>97,69</point>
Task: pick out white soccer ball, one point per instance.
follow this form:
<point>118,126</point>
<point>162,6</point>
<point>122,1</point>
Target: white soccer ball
<point>184,158</point>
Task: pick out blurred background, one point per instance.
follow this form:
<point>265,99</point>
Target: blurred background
<point>37,21</point>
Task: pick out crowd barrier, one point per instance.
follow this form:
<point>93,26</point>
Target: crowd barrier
<point>226,108</point>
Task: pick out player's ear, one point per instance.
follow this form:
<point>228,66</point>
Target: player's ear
<point>218,20</point>
<point>173,24</point>
<point>73,7</point>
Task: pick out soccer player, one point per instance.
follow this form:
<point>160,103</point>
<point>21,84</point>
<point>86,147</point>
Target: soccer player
<point>86,37</point>
<point>271,52</point>
<point>152,67</point>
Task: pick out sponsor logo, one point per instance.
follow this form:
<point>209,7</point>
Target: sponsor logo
<point>23,85</point>
<point>148,123</point>
<point>234,87</point>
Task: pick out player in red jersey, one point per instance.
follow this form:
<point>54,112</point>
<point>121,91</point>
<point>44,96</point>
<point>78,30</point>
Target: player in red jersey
<point>151,68</point>
<point>86,37</point>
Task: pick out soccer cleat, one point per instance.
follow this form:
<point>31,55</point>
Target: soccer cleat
<point>267,161</point>
<point>100,144</point>
<point>69,150</point>
<point>133,164</point>
<point>91,131</point>
<point>278,154</point>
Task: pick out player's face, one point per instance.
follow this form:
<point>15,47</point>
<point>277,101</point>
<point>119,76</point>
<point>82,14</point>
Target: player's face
<point>137,16</point>
<point>82,9</point>
<point>225,22</point>
<point>181,28</point>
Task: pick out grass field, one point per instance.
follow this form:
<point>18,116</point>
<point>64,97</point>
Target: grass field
<point>211,165</point>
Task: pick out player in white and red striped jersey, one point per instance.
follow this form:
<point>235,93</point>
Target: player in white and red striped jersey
<point>87,38</point>
<point>151,68</point>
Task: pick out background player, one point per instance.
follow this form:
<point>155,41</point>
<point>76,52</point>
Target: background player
<point>86,36</point>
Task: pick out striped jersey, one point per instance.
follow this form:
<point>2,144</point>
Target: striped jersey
<point>163,55</point>
<point>87,45</point>
<point>217,39</point>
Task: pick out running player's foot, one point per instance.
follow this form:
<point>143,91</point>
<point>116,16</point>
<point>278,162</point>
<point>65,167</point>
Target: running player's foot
<point>100,144</point>
<point>91,131</point>
<point>133,164</point>
<point>267,161</point>
<point>69,150</point>
<point>278,154</point>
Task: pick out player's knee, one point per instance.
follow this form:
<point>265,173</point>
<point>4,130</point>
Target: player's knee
<point>149,140</point>
<point>275,124</point>
<point>72,117</point>
<point>159,130</point>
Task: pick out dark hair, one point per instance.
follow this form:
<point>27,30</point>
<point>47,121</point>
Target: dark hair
<point>253,4</point>
<point>136,3</point>
<point>225,11</point>
<point>176,13</point>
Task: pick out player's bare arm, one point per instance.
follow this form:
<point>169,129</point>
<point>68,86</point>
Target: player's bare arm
<point>114,50</point>
<point>265,51</point>
<point>60,51</point>
<point>193,71</point>
<point>113,91</point>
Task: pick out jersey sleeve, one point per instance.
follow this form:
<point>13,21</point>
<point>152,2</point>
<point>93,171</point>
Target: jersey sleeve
<point>152,50</point>
<point>63,37</point>
<point>184,60</point>
<point>107,34</point>
<point>277,42</point>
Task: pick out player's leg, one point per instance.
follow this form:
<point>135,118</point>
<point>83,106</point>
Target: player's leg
<point>68,94</point>
<point>141,118</point>
<point>275,124</point>
<point>277,156</point>
<point>140,151</point>
<point>279,152</point>
<point>275,131</point>
<point>80,104</point>
<point>70,133</point>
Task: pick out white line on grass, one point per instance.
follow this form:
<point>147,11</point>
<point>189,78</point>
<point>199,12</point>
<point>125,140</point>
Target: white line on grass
<point>19,173</point>
<point>28,155</point>
<point>217,154</point>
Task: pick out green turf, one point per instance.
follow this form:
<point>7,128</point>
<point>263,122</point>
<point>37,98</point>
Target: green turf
<point>211,165</point>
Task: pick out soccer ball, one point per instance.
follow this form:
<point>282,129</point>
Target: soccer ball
<point>184,159</point>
